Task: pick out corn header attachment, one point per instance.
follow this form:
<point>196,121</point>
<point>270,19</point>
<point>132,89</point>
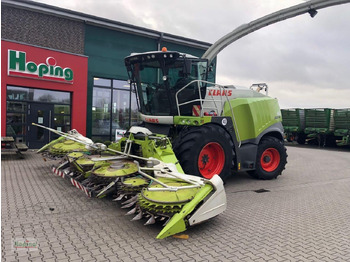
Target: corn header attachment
<point>142,173</point>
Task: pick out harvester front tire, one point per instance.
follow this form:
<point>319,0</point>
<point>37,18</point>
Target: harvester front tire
<point>205,151</point>
<point>271,159</point>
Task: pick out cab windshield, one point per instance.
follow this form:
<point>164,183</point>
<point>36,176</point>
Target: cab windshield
<point>158,76</point>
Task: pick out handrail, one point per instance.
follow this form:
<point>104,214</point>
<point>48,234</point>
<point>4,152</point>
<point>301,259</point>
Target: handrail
<point>202,100</point>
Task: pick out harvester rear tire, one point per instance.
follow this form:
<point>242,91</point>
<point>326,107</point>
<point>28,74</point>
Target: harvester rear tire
<point>198,148</point>
<point>271,159</point>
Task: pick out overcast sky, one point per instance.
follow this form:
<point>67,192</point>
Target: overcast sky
<point>305,61</point>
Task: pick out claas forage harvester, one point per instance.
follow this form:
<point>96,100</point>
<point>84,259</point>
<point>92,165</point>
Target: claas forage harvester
<point>195,135</point>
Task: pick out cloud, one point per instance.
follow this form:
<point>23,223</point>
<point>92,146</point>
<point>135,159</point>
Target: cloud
<point>298,52</point>
<point>304,60</point>
<point>309,96</point>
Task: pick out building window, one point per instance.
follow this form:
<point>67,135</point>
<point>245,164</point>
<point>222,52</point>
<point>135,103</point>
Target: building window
<point>111,108</point>
<point>22,110</point>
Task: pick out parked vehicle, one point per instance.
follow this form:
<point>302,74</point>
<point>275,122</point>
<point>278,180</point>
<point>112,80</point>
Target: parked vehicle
<point>322,126</point>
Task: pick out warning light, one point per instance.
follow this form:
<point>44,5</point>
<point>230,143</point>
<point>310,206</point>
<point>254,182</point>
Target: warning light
<point>164,49</point>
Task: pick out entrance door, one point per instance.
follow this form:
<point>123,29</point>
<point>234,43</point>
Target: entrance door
<point>41,114</point>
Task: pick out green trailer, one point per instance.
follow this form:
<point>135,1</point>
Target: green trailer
<point>342,126</point>
<point>318,125</point>
<point>293,120</point>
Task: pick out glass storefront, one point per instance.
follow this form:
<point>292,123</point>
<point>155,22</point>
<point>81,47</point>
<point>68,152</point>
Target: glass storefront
<point>110,108</point>
<point>45,107</point>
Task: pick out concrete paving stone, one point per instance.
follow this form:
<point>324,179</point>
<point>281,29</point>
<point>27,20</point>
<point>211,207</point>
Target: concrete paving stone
<point>301,258</point>
<point>189,252</point>
<point>95,251</point>
<point>22,257</point>
<point>108,239</point>
<point>62,260</point>
<point>79,245</point>
<point>167,252</point>
<point>112,257</point>
<point>47,255</point>
<point>139,259</point>
<point>278,258</point>
<point>35,253</point>
<point>106,247</point>
<point>146,256</point>
<point>7,247</point>
<point>58,249</point>
<point>107,252</point>
<point>53,241</point>
<point>154,259</point>
<point>99,242</point>
<point>60,234</point>
<point>340,260</point>
<point>17,234</point>
<point>290,258</point>
<point>305,215</point>
<point>152,249</point>
<point>9,257</point>
<point>101,257</point>
<point>83,236</point>
<point>165,260</point>
<point>178,260</point>
<point>73,256</point>
<point>50,260</point>
<point>37,259</point>
<point>327,259</point>
<point>44,249</point>
<point>83,252</point>
<point>41,235</point>
<point>75,260</point>
<point>60,255</point>
<point>134,254</point>
<point>70,250</point>
<point>198,257</point>
<point>208,257</point>
<point>43,243</point>
<point>67,245</point>
<point>6,231</point>
<point>263,256</point>
<point>186,258</point>
<point>127,259</point>
<point>122,254</point>
<point>159,255</point>
<point>86,257</point>
<point>260,260</point>
<point>178,250</point>
<point>56,246</point>
<point>171,256</point>
<point>88,242</point>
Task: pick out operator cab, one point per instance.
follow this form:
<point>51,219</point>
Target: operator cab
<point>158,76</point>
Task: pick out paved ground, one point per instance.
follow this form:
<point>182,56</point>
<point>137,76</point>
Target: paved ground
<point>305,216</point>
